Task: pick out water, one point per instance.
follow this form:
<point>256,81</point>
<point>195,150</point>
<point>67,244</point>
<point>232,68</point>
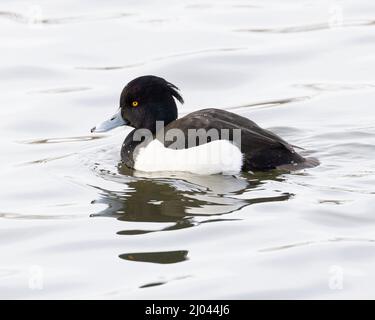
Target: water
<point>76,224</point>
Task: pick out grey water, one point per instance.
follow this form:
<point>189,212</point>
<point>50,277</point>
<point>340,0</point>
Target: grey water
<point>75,223</point>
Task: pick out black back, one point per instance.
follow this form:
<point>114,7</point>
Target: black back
<point>262,149</point>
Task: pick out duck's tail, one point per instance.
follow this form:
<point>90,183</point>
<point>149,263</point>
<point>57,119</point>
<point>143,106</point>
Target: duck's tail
<point>309,162</point>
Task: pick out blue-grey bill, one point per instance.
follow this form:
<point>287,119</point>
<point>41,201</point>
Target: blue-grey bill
<point>115,121</point>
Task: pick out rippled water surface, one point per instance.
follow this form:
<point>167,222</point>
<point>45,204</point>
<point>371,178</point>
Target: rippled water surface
<point>74,223</point>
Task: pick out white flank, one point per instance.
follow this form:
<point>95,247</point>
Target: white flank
<point>219,156</point>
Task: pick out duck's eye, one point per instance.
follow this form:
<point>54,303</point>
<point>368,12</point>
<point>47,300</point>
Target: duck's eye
<point>135,103</point>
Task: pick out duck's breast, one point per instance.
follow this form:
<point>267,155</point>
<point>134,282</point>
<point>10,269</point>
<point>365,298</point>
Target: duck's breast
<point>219,156</point>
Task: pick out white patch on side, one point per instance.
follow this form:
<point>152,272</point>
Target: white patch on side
<point>219,156</point>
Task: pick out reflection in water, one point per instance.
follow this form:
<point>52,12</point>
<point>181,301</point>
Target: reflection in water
<point>179,200</point>
<point>153,284</point>
<point>165,257</point>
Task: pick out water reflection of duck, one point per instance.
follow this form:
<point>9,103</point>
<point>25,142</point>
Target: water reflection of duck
<point>179,201</point>
<point>231,143</point>
<point>180,198</point>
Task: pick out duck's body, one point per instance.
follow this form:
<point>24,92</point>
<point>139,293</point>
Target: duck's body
<point>261,149</point>
<point>230,143</point>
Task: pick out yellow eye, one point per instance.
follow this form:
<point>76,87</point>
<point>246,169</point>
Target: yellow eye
<point>135,103</point>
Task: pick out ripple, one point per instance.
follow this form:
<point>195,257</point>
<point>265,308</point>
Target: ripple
<point>159,283</point>
<point>182,224</point>
<point>36,19</point>
<point>245,6</point>
<point>306,243</point>
<point>62,140</point>
<point>269,103</point>
<point>156,59</point>
<point>45,160</point>
<point>25,216</point>
<point>154,21</point>
<point>334,201</point>
<point>5,272</point>
<point>199,6</point>
<point>109,68</point>
<point>321,87</point>
<point>336,188</point>
<point>308,28</point>
<point>14,16</point>
<point>360,149</point>
<point>61,90</point>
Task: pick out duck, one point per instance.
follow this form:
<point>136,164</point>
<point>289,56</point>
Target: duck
<point>207,141</point>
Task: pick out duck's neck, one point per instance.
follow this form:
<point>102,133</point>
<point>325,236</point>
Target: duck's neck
<point>161,114</point>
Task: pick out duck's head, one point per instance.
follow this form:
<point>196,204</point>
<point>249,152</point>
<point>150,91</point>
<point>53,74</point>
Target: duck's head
<point>144,101</point>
